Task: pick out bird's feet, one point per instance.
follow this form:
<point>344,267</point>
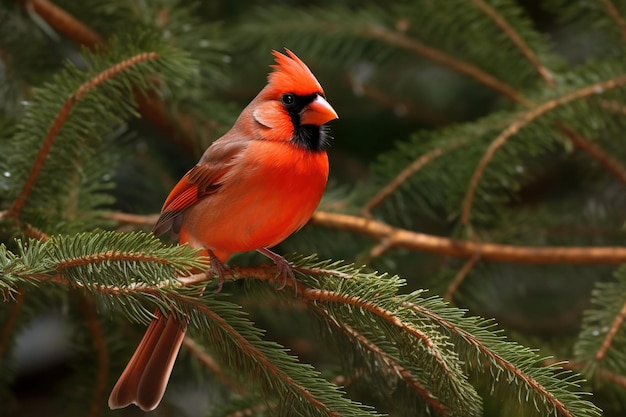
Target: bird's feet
<point>218,268</point>
<point>284,269</point>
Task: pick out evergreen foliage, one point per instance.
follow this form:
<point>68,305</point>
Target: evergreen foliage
<point>474,147</point>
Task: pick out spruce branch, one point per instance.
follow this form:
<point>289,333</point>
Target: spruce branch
<point>530,381</point>
<point>326,296</point>
<point>370,23</point>
<point>63,114</point>
<point>268,366</point>
<point>207,311</point>
<point>150,106</point>
<point>393,367</point>
<point>523,120</point>
<point>519,42</point>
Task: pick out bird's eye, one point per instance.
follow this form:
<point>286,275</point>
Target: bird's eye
<point>287,99</point>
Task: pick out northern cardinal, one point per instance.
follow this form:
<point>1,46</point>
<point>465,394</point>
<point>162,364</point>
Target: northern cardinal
<point>252,188</point>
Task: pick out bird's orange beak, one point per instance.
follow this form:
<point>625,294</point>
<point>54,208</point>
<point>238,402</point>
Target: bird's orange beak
<point>318,112</point>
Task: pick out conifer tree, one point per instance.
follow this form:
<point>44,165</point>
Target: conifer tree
<point>465,260</point>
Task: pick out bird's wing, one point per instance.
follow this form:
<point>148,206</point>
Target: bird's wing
<point>202,181</point>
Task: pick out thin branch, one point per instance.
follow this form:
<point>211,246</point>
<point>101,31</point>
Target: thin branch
<point>64,23</point>
<point>503,363</point>
<point>207,360</point>
<point>608,340</point>
<point>99,343</point>
<point>614,13</point>
<point>596,152</point>
<point>465,249</point>
<point>501,22</point>
<point>133,219</point>
<point>460,277</point>
<point>520,123</point>
<point>62,116</point>
<point>400,40</point>
<point>407,172</point>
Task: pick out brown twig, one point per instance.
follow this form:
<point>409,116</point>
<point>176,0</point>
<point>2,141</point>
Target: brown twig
<point>460,277</point>
<point>465,249</point>
<point>407,172</point>
<point>608,340</point>
<point>134,219</point>
<point>59,121</point>
<point>207,360</point>
<point>503,363</point>
<point>520,123</point>
<point>614,13</point>
<point>63,22</point>
<point>400,40</point>
<point>99,343</point>
<point>596,152</point>
<point>501,22</point>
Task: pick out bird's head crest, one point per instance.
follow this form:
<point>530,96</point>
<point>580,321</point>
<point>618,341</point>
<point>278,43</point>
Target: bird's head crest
<point>292,75</point>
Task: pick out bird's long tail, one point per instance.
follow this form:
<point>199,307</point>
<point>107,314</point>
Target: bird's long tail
<point>145,378</point>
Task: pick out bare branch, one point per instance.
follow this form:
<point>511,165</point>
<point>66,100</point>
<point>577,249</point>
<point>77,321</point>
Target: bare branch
<point>465,249</point>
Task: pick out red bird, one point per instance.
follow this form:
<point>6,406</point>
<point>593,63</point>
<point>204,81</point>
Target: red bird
<point>252,188</point>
